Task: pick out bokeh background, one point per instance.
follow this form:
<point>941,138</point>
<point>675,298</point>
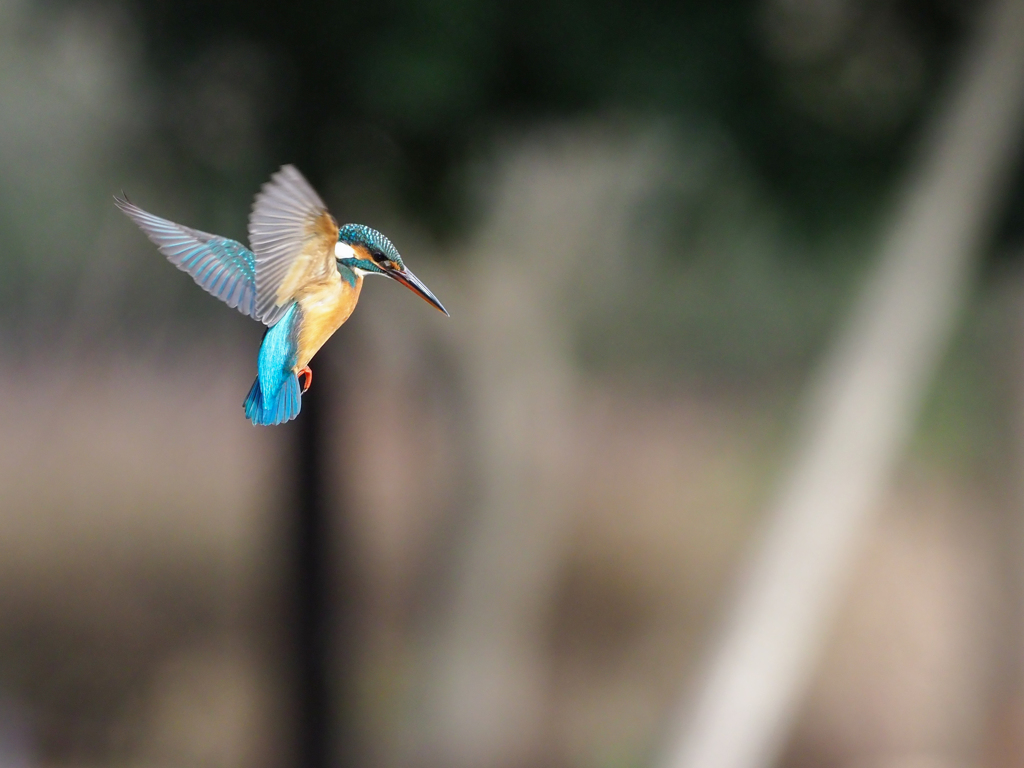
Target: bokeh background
<point>650,222</point>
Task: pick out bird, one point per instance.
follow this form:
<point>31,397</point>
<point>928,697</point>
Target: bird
<point>301,277</point>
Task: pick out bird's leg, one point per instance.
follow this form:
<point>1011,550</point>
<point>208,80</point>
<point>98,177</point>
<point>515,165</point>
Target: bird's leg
<point>308,373</point>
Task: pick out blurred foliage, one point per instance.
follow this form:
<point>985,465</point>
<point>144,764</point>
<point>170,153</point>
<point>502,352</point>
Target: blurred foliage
<point>820,97</point>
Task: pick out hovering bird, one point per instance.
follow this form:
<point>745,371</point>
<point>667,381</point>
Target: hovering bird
<point>302,279</point>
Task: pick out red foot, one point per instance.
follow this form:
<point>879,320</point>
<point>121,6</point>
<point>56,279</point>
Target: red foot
<point>308,373</point>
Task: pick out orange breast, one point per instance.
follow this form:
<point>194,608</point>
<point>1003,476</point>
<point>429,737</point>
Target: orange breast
<point>325,306</point>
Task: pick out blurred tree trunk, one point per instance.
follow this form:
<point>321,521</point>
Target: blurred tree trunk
<point>859,414</point>
<point>562,214</point>
<point>1005,738</point>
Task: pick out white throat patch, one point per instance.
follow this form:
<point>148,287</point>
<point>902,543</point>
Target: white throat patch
<point>346,251</point>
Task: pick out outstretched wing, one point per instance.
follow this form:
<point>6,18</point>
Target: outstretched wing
<point>293,237</point>
<point>223,267</point>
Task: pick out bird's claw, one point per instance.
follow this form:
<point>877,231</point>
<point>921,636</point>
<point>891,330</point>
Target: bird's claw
<point>308,373</point>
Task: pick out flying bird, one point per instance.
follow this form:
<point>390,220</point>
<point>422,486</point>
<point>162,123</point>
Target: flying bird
<point>301,278</point>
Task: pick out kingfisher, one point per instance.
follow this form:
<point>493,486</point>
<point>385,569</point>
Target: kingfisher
<point>301,277</point>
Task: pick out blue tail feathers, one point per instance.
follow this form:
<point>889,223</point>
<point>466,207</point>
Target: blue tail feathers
<point>275,397</point>
<point>281,406</point>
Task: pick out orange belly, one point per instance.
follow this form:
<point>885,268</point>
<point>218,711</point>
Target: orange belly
<point>325,307</point>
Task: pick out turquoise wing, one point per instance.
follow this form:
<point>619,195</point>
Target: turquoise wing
<point>222,267</point>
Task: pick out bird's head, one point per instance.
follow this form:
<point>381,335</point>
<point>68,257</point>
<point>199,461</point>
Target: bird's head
<point>367,252</point>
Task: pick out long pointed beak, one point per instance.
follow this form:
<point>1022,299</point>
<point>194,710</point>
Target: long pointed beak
<point>414,284</point>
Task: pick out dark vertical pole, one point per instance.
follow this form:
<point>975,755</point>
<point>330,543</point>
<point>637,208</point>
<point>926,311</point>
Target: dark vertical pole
<point>324,576</point>
<point>312,585</point>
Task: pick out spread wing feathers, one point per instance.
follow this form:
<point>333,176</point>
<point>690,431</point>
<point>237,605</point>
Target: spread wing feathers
<point>223,267</point>
<point>293,237</point>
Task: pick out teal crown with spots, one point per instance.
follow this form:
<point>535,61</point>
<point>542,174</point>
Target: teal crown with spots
<point>376,243</point>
